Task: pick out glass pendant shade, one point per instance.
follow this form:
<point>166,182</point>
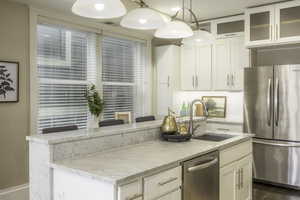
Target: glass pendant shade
<point>174,30</point>
<point>99,9</point>
<point>199,36</point>
<point>143,19</point>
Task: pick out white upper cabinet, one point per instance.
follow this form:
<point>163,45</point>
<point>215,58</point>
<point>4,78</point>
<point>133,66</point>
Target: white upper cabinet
<point>203,67</point>
<point>167,61</point>
<point>288,21</point>
<point>259,26</point>
<point>229,27</point>
<point>221,65</point>
<point>188,67</point>
<point>196,62</point>
<point>230,59</point>
<point>273,24</point>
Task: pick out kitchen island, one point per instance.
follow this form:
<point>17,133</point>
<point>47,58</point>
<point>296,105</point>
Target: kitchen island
<point>121,162</point>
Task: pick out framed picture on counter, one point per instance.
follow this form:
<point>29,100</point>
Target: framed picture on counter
<point>125,116</point>
<point>9,82</point>
<point>216,106</point>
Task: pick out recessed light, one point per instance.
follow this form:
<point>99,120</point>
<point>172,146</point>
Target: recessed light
<point>99,6</point>
<point>175,9</point>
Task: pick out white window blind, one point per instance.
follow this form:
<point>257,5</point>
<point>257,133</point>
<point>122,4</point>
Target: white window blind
<point>66,65</point>
<point>123,76</point>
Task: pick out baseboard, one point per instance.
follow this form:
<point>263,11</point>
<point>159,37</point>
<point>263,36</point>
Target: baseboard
<point>20,192</point>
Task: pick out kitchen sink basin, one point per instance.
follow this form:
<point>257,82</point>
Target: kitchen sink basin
<point>213,137</point>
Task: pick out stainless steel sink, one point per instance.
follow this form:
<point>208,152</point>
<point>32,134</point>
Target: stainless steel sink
<point>213,137</point>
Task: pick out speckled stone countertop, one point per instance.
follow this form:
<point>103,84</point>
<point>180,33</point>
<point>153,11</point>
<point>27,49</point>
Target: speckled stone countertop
<point>69,136</point>
<point>122,164</point>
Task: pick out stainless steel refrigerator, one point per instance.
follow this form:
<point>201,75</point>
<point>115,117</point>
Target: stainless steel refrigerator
<point>272,113</point>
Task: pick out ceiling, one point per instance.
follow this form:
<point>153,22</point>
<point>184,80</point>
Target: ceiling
<point>204,9</point>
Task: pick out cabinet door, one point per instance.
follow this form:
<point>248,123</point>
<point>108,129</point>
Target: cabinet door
<point>239,59</point>
<point>228,182</point>
<point>203,67</point>
<point>176,195</point>
<point>221,65</point>
<point>163,59</point>
<point>259,25</point>
<point>245,190</point>
<point>188,66</point>
<point>288,22</point>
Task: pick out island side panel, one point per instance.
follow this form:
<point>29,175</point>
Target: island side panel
<point>72,186</point>
<point>40,174</point>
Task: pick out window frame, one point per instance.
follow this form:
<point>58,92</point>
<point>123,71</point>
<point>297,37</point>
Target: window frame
<point>38,16</point>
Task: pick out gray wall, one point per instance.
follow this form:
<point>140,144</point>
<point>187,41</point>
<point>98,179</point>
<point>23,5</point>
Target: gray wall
<point>14,117</point>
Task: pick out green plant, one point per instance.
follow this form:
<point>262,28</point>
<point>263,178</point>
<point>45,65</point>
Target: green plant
<point>95,102</point>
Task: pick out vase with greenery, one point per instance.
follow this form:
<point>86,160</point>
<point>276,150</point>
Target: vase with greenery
<point>95,104</point>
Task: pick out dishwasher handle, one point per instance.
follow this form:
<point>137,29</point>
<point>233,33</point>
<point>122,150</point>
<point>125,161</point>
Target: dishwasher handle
<point>203,165</point>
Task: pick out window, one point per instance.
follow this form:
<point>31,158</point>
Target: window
<point>66,63</point>
<point>123,76</point>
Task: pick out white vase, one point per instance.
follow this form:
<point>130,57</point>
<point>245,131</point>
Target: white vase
<point>94,121</point>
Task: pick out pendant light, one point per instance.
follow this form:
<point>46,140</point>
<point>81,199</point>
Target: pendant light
<point>143,18</point>
<point>200,36</point>
<point>99,9</point>
<point>175,29</point>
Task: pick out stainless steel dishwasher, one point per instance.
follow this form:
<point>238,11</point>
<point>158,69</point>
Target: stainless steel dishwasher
<point>201,178</point>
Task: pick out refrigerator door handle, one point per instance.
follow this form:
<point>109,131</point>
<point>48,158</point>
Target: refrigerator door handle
<point>269,101</point>
<point>276,102</point>
<point>277,144</point>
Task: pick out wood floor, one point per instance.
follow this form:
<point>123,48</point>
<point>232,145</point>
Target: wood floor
<point>265,192</point>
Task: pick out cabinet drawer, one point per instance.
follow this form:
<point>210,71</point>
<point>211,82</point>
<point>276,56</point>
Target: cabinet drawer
<point>131,191</point>
<point>224,127</point>
<point>162,183</point>
<point>234,153</point>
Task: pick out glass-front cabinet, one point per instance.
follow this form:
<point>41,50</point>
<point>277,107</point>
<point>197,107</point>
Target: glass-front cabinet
<point>273,24</point>
<point>259,26</point>
<point>288,21</point>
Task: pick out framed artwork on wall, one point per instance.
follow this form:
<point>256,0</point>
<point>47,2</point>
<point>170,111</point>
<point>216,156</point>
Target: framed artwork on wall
<point>216,106</point>
<point>9,82</point>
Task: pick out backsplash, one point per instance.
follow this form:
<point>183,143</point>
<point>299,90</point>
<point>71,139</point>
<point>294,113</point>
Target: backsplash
<point>234,101</point>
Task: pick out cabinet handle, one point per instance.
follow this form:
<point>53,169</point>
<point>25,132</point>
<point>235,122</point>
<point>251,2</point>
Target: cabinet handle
<point>196,81</point>
<point>238,179</point>
<point>136,196</point>
<point>223,129</point>
<point>168,181</point>
<point>271,32</point>
<point>227,79</point>
<point>232,80</point>
<point>242,178</point>
<point>193,82</point>
<point>277,31</point>
<point>168,81</point>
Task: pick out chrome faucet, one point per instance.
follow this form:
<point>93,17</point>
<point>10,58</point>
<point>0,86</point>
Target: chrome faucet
<point>191,124</point>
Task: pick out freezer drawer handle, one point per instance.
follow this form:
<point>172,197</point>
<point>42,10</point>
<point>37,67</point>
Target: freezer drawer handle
<point>269,101</point>
<point>203,166</point>
<point>277,144</point>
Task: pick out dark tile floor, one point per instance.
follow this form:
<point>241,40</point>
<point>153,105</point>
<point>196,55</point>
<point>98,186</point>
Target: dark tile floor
<point>266,192</point>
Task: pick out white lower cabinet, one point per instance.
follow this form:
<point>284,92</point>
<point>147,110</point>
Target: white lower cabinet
<point>236,180</point>
<point>131,191</point>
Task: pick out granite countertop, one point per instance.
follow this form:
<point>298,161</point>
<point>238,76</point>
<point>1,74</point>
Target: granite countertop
<point>123,164</point>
